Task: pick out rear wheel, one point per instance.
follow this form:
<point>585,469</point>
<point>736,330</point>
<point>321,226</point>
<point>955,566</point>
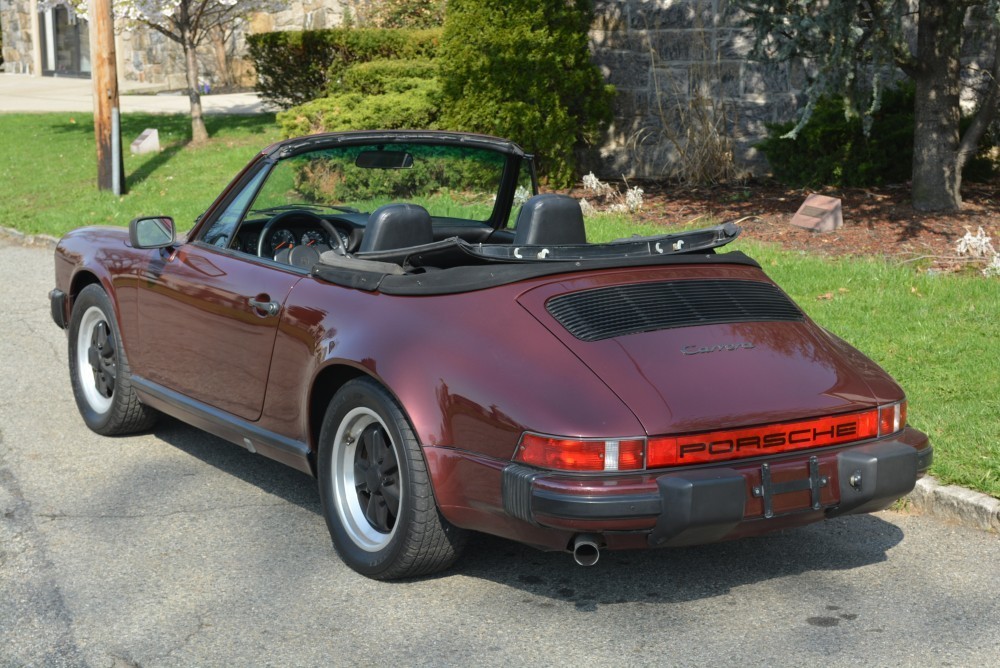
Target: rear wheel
<point>376,491</point>
<point>98,368</point>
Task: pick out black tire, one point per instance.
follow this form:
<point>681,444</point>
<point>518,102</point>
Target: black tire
<point>99,371</point>
<point>376,491</point>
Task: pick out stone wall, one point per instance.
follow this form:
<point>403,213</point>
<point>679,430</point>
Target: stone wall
<point>15,16</point>
<point>149,57</point>
<point>681,73</point>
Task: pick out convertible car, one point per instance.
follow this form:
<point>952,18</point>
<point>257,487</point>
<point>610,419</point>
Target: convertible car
<point>402,316</point>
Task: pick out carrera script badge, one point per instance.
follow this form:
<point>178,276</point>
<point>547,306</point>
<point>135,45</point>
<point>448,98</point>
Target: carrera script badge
<point>698,350</point>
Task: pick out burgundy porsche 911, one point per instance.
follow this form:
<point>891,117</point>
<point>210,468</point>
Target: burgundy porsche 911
<point>397,314</point>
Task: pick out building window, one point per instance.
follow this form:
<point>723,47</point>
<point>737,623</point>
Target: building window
<point>65,42</point>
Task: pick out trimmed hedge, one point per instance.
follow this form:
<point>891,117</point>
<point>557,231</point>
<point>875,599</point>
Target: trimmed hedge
<point>296,67</point>
<point>414,104</point>
<point>378,77</point>
<point>521,69</point>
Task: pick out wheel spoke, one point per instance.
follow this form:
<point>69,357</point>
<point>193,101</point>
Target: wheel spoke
<point>361,467</point>
<point>375,512</point>
<point>390,492</point>
<point>387,463</point>
<point>378,447</point>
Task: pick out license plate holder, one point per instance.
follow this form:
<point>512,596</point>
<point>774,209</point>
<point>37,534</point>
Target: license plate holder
<point>767,488</point>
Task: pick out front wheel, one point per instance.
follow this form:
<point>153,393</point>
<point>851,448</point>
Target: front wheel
<point>376,491</point>
<point>98,368</point>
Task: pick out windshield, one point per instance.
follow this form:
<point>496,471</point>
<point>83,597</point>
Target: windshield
<point>448,181</point>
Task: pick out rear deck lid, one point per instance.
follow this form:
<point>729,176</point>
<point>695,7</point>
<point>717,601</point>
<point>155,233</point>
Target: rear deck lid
<point>709,348</point>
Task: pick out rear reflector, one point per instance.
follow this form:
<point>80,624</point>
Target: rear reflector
<point>719,446</point>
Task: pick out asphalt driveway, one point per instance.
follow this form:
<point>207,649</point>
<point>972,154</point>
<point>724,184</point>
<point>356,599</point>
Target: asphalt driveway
<point>174,548</point>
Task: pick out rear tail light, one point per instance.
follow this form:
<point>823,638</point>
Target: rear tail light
<point>565,454</point>
<point>635,454</point>
<point>891,418</point>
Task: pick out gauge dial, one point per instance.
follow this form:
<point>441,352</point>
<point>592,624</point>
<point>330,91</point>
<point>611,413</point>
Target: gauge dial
<point>281,239</point>
<point>313,237</point>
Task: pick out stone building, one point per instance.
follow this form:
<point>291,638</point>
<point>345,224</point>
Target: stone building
<point>55,42</point>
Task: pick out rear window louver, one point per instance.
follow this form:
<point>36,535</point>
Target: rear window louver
<point>603,313</point>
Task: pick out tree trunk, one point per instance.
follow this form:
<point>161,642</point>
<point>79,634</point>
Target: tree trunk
<point>937,174</point>
<point>223,69</point>
<point>199,134</point>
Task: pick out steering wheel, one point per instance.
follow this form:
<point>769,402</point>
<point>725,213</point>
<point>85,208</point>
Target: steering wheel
<point>303,215</point>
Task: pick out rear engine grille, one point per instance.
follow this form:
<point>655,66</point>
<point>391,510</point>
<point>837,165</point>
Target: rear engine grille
<point>603,313</point>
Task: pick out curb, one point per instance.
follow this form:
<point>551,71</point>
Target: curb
<point>22,239</point>
<point>956,504</point>
<point>946,502</point>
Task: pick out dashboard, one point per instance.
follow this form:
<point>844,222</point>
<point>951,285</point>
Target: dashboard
<point>289,234</point>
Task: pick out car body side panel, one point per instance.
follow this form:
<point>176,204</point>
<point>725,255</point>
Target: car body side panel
<point>198,333</point>
<point>471,371</point>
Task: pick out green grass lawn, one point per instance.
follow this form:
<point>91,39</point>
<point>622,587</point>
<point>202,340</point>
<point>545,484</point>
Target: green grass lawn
<point>936,334</point>
<point>48,168</point>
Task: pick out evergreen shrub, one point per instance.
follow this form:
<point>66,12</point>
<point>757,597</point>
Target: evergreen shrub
<point>414,104</point>
<point>294,67</point>
<point>833,150</point>
<point>521,69</point>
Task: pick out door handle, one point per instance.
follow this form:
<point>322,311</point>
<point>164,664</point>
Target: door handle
<point>269,308</point>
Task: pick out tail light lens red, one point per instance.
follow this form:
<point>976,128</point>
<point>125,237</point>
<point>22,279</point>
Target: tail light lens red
<point>634,454</point>
<point>564,454</point>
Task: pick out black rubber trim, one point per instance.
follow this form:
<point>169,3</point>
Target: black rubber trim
<point>481,277</point>
<point>925,458</point>
<point>873,476</point>
<point>569,506</point>
<point>515,490</point>
<point>298,145</point>
<point>57,303</point>
<point>217,421</point>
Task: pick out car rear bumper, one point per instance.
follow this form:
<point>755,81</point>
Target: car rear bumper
<point>57,306</point>
<point>708,504</point>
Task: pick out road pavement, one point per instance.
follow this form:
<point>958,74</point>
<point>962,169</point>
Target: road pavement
<point>25,93</point>
<point>173,548</point>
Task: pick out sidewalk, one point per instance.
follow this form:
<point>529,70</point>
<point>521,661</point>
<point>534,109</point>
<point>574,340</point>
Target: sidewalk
<point>25,93</point>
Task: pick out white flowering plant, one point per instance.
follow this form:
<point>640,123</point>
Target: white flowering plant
<point>608,198</point>
<point>979,246</point>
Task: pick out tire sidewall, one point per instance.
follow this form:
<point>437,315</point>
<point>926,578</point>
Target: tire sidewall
<point>355,394</point>
<point>94,296</point>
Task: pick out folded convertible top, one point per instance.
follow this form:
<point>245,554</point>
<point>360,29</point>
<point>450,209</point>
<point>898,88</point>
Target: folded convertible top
<point>453,265</point>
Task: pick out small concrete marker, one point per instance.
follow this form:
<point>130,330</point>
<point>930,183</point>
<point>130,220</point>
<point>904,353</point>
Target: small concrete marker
<point>147,142</point>
<point>819,213</point>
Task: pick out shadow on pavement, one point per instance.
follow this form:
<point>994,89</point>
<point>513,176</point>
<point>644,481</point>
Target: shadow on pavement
<point>652,577</point>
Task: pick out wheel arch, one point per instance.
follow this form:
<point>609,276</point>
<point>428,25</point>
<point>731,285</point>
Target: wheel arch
<point>326,384</point>
<point>82,279</point>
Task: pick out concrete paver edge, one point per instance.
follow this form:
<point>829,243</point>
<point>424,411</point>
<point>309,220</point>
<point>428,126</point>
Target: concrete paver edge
<point>18,237</point>
<point>958,504</point>
<point>950,502</point>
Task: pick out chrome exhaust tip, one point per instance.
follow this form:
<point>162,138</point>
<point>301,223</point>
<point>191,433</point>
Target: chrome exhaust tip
<point>586,549</point>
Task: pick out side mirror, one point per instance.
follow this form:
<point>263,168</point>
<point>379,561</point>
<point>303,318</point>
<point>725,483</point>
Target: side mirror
<point>152,232</point>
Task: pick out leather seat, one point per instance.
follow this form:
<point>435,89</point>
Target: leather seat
<point>550,220</point>
<point>397,226</point>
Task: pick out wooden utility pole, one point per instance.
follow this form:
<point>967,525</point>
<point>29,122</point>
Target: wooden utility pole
<point>107,126</point>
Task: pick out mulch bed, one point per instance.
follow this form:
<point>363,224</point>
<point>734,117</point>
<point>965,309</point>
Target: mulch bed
<point>877,221</point>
